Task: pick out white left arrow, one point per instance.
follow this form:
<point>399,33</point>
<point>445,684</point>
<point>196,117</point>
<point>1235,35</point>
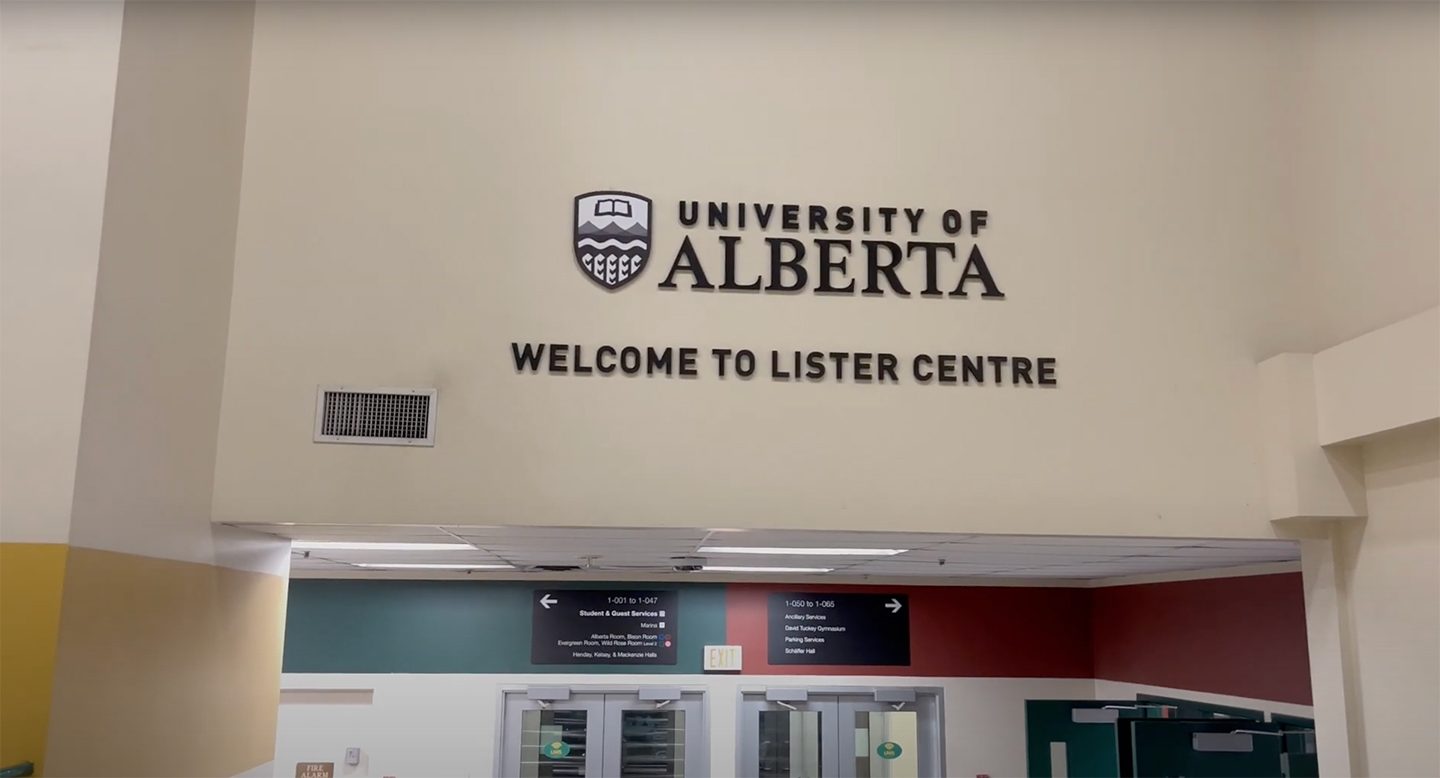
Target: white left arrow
<point>546,601</point>
<point>894,605</point>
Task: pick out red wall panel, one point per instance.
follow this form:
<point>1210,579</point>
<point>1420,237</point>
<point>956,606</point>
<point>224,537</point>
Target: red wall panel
<point>959,631</point>
<point>1242,636</point>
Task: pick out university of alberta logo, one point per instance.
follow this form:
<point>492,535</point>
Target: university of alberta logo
<point>612,236</point>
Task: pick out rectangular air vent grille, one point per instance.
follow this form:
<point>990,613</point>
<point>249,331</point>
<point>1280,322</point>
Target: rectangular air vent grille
<point>393,417</point>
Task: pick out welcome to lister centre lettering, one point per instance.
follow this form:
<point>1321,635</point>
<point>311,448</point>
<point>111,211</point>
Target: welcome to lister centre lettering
<point>854,366</point>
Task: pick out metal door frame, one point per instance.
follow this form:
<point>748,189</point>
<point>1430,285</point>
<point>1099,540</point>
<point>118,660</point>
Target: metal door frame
<point>697,762</point>
<point>594,707</point>
<point>697,754</point>
<point>922,705</point>
<point>937,732</point>
<point>747,749</point>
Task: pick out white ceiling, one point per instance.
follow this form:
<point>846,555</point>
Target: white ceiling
<point>631,552</point>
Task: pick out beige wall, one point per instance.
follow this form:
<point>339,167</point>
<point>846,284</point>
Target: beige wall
<point>1364,131</point>
<point>405,215</point>
<point>1384,380</point>
<point>1162,219</point>
<point>157,356</point>
<point>165,668</point>
<point>168,656</point>
<point>57,94</point>
<point>1390,575</point>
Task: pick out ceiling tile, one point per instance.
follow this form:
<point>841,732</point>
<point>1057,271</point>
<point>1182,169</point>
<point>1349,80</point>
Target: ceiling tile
<point>631,549</point>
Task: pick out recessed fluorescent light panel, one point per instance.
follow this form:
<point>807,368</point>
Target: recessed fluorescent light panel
<point>744,569</point>
<point>345,545</point>
<point>429,566</point>
<point>802,551</point>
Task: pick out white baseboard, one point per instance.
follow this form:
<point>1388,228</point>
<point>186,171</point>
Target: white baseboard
<point>266,770</point>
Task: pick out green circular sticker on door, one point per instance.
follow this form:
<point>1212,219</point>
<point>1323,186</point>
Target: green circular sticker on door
<point>888,750</point>
<point>557,749</point>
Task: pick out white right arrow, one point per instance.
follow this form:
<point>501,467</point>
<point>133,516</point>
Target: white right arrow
<point>546,601</point>
<point>894,605</point>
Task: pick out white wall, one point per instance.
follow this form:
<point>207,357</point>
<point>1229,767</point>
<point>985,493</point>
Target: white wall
<point>57,94</point>
<point>447,725</point>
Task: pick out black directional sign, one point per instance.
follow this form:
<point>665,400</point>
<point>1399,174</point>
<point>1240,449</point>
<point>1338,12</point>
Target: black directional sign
<point>603,627</point>
<point>838,629</point>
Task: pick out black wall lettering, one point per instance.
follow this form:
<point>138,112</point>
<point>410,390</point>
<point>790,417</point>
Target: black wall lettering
<point>719,214</point>
<point>1045,371</point>
<point>945,367</point>
<point>887,367</point>
<point>863,361</point>
<point>779,264</point>
<point>922,375</point>
<point>913,215</point>
<point>558,356</point>
<point>744,363</point>
<point>722,356</point>
<point>689,219</point>
<point>527,357</point>
<point>630,360</point>
<point>657,360</point>
<point>815,365</point>
<point>973,369</point>
<point>932,264</point>
<point>763,214</point>
<point>874,268</point>
<point>977,270</point>
<point>1020,369</point>
<point>817,218</point>
<point>888,215</point>
<point>999,364</point>
<point>731,284</point>
<point>829,264</point>
<point>790,217</point>
<point>686,261</point>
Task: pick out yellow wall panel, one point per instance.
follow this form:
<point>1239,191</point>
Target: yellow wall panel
<point>31,577</point>
<point>165,668</point>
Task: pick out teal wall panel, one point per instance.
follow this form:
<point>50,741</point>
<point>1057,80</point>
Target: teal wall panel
<point>375,626</point>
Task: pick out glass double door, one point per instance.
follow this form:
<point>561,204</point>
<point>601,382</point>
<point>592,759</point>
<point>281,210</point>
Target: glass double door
<point>839,735</point>
<point>602,735</point>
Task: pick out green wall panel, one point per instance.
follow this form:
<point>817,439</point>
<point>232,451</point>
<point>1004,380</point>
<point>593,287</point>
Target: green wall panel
<point>1091,749</point>
<point>1190,709</point>
<point>1162,748</point>
<point>373,626</point>
<point>1299,742</point>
